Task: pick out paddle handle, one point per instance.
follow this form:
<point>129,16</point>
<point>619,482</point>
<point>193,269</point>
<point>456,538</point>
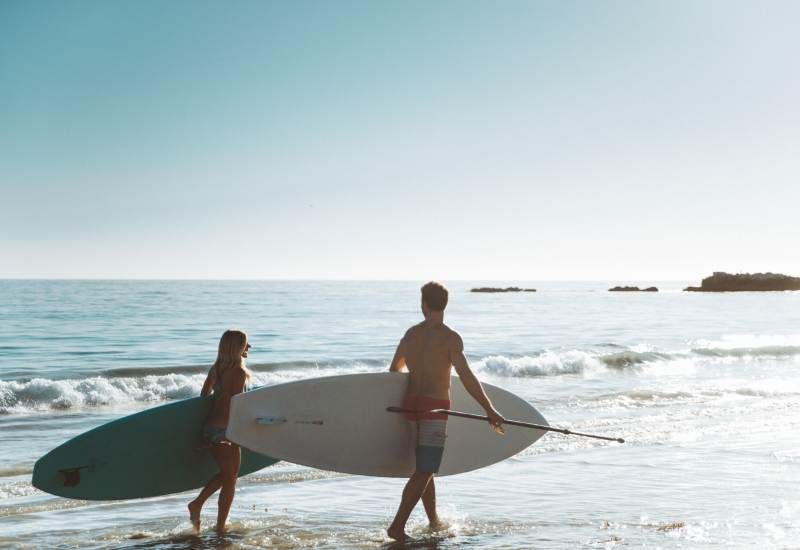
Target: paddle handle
<point>509,422</point>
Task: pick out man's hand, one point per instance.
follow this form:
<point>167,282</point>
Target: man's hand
<point>496,420</point>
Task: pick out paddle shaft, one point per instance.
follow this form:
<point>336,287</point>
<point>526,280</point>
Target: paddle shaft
<point>509,422</point>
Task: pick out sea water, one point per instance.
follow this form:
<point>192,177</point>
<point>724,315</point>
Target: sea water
<point>705,389</point>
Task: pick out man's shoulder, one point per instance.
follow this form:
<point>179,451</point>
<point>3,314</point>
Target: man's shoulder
<point>454,336</point>
<point>450,330</point>
<point>413,329</point>
<point>446,333</point>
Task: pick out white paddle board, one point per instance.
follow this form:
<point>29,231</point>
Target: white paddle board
<point>340,423</point>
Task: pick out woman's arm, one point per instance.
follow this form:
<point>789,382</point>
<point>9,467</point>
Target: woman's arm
<point>207,384</point>
<point>238,380</point>
<point>235,384</point>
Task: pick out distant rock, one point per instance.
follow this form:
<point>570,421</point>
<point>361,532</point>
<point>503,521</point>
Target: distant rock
<point>633,289</point>
<point>742,282</point>
<point>507,289</point>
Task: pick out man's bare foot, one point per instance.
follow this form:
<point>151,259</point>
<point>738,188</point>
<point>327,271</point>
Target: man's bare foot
<point>220,529</point>
<point>396,533</point>
<point>437,525</point>
<point>194,515</point>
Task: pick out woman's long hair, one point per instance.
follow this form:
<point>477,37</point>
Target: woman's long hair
<point>231,346</point>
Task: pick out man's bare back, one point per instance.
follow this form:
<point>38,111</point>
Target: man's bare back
<point>428,350</point>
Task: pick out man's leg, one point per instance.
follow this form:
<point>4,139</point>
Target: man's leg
<point>429,501</point>
<point>430,438</point>
<point>411,494</point>
<point>432,434</point>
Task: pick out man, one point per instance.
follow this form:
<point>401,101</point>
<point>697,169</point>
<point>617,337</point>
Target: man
<point>429,349</point>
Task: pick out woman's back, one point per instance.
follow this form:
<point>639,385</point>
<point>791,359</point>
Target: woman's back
<point>225,383</point>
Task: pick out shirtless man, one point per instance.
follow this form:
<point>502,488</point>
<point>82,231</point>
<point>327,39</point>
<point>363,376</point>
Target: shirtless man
<point>429,349</point>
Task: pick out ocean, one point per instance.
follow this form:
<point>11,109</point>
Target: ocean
<point>705,389</point>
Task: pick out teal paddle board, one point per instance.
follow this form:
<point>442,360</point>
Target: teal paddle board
<point>151,453</point>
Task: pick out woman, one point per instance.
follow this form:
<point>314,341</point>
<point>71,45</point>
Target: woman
<point>226,378</point>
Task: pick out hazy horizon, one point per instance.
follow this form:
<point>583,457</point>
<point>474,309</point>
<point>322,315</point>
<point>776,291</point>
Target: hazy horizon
<point>615,141</point>
<point>507,281</point>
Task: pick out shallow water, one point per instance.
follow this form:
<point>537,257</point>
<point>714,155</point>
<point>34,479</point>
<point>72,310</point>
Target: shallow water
<point>705,388</point>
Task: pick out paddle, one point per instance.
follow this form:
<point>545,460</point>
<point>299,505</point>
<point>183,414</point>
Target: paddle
<point>509,422</point>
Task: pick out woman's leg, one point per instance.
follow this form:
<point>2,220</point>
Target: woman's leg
<point>196,506</point>
<point>228,458</point>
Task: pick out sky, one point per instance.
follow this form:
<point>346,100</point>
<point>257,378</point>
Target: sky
<point>635,140</point>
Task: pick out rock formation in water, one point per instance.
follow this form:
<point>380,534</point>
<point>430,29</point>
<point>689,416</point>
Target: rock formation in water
<point>742,282</point>
<point>507,289</point>
<point>633,289</point>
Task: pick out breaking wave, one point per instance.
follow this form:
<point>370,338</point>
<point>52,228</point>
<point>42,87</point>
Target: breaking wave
<point>630,358</point>
<point>552,363</point>
<point>125,386</point>
<point>748,345</point>
<point>43,394</point>
<point>547,364</point>
<point>766,351</point>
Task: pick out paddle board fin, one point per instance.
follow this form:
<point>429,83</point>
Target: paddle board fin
<point>72,476</point>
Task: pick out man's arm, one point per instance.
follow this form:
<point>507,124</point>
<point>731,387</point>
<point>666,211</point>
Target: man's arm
<point>399,359</point>
<point>470,381</point>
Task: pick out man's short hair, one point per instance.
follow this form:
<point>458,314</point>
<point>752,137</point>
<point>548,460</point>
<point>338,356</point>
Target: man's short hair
<point>435,295</point>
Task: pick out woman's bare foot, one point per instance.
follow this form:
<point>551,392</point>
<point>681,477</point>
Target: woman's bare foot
<point>220,529</point>
<point>194,515</point>
<point>437,525</point>
<point>396,533</point>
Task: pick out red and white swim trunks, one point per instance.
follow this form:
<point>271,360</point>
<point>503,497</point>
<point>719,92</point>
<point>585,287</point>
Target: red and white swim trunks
<point>431,430</point>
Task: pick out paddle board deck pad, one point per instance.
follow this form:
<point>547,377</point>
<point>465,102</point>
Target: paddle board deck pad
<point>340,423</point>
<point>151,453</point>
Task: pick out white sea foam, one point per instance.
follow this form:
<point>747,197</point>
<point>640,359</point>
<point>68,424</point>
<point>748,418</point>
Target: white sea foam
<point>749,345</point>
<point>556,363</point>
<point>547,364</point>
<point>17,489</point>
<point>42,394</point>
<point>149,385</point>
<point>48,505</point>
